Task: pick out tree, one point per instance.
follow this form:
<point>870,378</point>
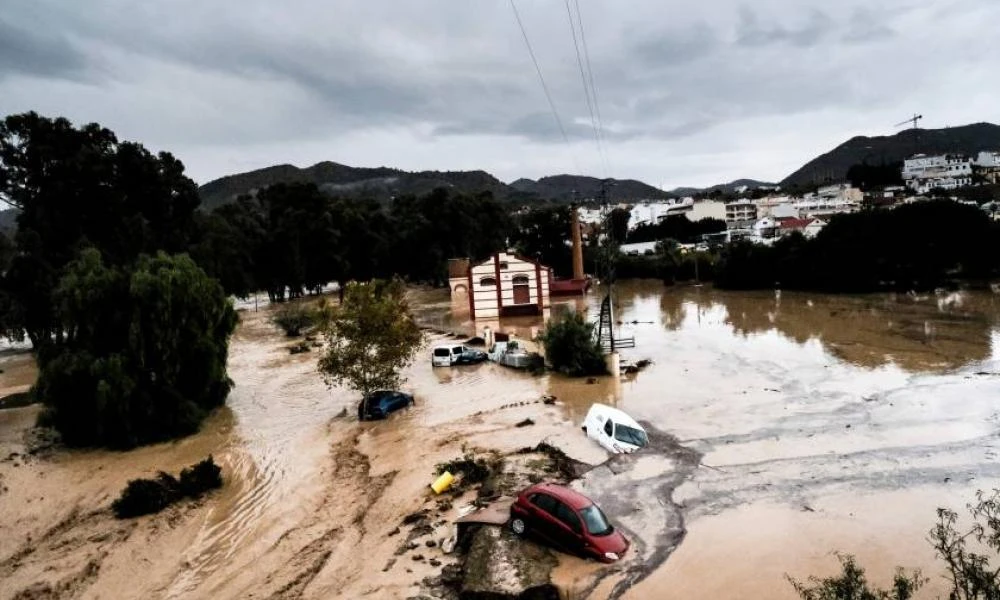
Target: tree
<point>970,573</point>
<point>77,188</point>
<point>571,347</point>
<point>543,234</point>
<point>851,584</point>
<point>143,356</point>
<point>370,337</point>
<point>618,222</point>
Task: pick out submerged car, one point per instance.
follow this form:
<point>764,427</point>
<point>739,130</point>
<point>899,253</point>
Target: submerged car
<point>614,430</point>
<point>456,354</point>
<point>379,404</point>
<point>568,520</point>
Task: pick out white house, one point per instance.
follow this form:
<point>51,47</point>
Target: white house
<point>505,284</point>
<point>923,173</point>
<point>651,213</point>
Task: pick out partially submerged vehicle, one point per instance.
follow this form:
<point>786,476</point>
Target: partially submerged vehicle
<point>568,520</point>
<point>378,404</point>
<point>447,355</point>
<point>511,354</point>
<point>614,430</point>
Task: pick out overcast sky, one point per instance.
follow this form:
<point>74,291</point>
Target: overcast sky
<point>690,93</point>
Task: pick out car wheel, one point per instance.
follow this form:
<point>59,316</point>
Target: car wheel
<point>518,526</point>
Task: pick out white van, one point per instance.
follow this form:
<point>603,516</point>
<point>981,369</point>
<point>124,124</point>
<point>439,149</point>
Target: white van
<point>613,429</point>
<point>455,354</point>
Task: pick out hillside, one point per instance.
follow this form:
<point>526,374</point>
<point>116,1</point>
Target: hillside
<point>380,183</point>
<point>383,183</point>
<point>565,188</point>
<point>833,166</point>
<point>724,188</point>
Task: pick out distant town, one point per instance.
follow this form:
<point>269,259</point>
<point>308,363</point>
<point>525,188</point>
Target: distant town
<point>765,213</point>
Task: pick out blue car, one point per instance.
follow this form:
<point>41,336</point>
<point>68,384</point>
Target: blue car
<point>378,405</point>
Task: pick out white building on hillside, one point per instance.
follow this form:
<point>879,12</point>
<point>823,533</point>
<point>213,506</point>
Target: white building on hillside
<point>651,213</point>
<point>708,209</point>
<point>922,173</point>
<point>741,214</point>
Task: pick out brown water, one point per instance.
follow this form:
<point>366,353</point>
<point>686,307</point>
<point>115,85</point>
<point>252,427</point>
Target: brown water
<point>824,423</point>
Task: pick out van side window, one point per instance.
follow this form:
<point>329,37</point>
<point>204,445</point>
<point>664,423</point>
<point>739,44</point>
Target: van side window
<point>607,427</point>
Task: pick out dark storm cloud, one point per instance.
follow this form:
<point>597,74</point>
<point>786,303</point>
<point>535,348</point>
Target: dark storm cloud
<point>36,50</point>
<point>222,75</point>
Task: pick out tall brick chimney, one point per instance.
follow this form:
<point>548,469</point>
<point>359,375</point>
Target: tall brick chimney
<point>577,244</point>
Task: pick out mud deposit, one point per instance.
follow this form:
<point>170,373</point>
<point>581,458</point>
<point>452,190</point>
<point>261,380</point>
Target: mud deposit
<point>784,427</point>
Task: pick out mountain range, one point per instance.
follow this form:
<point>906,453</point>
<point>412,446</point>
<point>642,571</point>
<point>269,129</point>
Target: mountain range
<point>382,183</point>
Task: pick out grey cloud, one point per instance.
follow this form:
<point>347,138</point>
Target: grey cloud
<point>866,25</point>
<point>670,48</point>
<point>751,32</point>
<point>37,52</point>
<point>235,73</point>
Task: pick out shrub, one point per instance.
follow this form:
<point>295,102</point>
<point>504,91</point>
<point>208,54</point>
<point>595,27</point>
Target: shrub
<point>199,478</point>
<point>293,318</point>
<point>571,347</point>
<point>148,496</point>
<point>851,584</point>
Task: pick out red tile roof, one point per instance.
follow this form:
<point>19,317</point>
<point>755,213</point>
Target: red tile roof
<point>795,223</point>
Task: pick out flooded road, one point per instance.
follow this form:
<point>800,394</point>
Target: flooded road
<point>787,426</point>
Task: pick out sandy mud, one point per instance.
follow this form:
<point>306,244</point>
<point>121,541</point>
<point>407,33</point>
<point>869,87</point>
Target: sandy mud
<point>784,427</point>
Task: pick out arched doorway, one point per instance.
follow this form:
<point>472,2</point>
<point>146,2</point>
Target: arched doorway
<point>522,289</point>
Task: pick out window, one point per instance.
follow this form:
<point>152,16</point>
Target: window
<point>607,427</point>
<point>520,280</point>
<point>568,517</point>
<point>487,282</point>
<point>440,352</point>
<point>544,502</point>
<point>596,522</point>
<point>457,350</point>
<point>503,266</point>
<point>630,435</point>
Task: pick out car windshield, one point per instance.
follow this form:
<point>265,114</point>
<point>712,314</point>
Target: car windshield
<point>595,521</point>
<point>441,352</point>
<point>630,435</point>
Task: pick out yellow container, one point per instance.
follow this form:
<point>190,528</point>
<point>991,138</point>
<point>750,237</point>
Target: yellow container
<point>443,482</point>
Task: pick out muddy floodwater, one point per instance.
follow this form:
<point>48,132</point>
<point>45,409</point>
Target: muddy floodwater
<point>784,427</point>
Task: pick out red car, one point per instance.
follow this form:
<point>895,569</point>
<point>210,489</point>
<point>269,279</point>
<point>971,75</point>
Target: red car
<point>566,519</point>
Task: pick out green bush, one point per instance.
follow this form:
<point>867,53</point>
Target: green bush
<point>571,347</point>
<point>851,584</point>
<point>148,496</point>
<point>144,354</point>
<point>199,478</point>
<point>293,318</point>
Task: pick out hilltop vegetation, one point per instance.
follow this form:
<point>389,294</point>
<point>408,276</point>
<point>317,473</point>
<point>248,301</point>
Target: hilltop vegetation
<point>881,150</point>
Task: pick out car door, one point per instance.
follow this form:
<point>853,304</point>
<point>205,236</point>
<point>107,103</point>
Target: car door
<point>456,355</point>
<point>543,521</point>
<point>571,534</point>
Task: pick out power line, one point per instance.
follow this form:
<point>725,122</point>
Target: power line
<point>583,80</point>
<point>593,86</point>
<point>545,88</point>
